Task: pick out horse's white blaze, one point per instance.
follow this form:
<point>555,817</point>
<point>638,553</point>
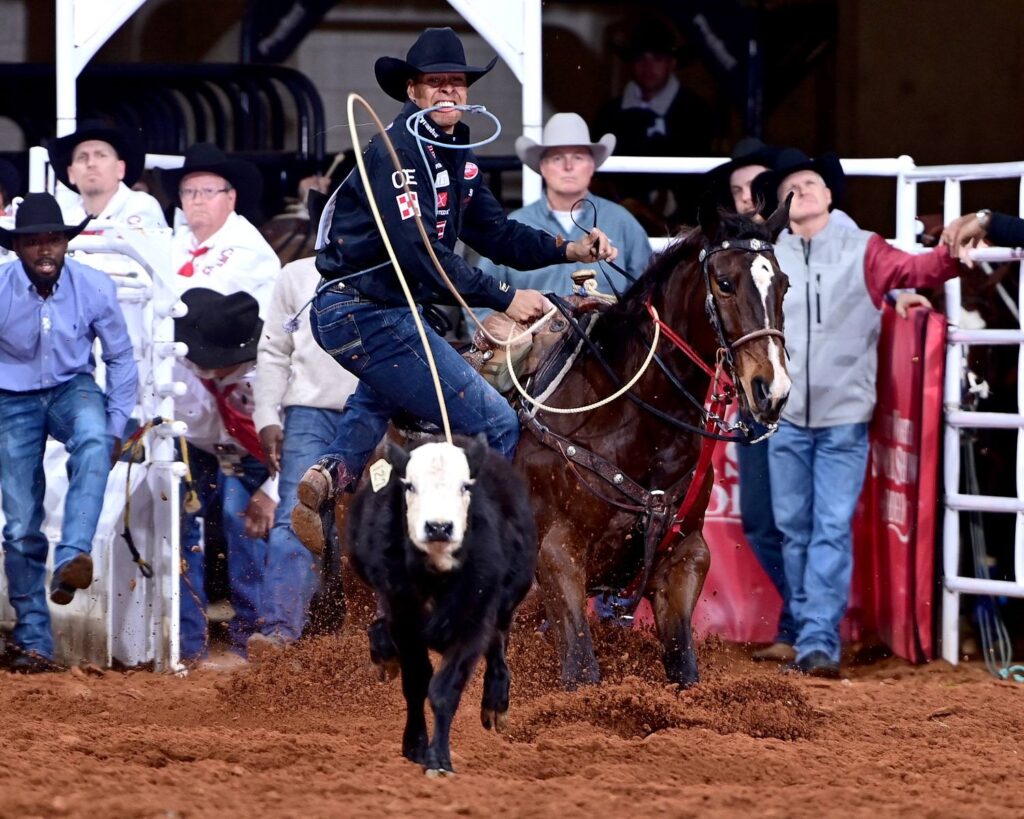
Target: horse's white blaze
<point>763,274</point>
<point>437,500</point>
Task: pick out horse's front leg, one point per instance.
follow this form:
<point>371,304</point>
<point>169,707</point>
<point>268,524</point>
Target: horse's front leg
<point>673,590</point>
<point>563,579</point>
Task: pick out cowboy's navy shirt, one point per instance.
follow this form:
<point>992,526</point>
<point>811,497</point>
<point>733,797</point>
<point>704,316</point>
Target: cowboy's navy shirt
<point>462,207</point>
<point>45,342</point>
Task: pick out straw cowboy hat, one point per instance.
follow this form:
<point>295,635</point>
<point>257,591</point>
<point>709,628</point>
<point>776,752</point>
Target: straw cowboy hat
<point>561,131</point>
<point>791,161</point>
<point>436,51</point>
<point>127,142</point>
<point>39,213</point>
<point>205,157</point>
<point>220,331</point>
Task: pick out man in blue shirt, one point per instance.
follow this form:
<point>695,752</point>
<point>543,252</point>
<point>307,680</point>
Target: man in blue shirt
<point>52,310</point>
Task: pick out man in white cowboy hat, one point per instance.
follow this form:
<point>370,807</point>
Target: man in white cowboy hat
<point>217,247</point>
<point>839,276</point>
<point>96,166</point>
<point>364,320</point>
<point>222,333</point>
<point>52,310</point>
<point>567,159</point>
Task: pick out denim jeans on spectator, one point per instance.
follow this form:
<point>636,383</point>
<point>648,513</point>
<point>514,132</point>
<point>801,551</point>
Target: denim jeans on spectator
<point>381,347</point>
<point>817,474</point>
<point>292,573</point>
<point>75,414</point>
<point>760,530</point>
<point>246,556</point>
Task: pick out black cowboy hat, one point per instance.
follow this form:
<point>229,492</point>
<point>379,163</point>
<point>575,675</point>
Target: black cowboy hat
<point>205,157</point>
<point>128,143</point>
<point>39,213</point>
<point>436,51</point>
<point>10,181</point>
<point>748,151</point>
<point>793,160</point>
<point>220,331</point>
<point>647,35</point>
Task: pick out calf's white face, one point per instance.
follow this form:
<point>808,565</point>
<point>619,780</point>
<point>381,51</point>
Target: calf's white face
<point>437,494</point>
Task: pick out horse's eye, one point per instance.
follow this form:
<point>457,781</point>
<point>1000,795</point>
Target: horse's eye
<point>724,285</point>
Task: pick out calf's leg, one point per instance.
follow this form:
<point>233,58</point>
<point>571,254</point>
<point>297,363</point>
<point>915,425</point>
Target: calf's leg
<point>494,707</point>
<point>416,676</point>
<point>445,693</point>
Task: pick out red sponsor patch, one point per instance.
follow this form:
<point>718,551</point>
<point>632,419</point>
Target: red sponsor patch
<point>408,205</point>
<point>441,225</point>
<point>442,199</point>
<point>471,171</point>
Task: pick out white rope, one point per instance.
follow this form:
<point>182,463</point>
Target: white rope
<point>618,393</point>
<point>353,98</point>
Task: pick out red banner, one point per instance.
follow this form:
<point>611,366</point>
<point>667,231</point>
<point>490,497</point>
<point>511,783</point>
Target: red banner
<point>895,524</point>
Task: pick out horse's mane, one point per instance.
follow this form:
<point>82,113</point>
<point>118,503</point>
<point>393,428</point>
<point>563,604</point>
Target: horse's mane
<point>686,244</point>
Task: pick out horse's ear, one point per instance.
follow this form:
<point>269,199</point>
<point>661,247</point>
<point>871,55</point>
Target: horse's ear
<point>476,453</point>
<point>396,456</point>
<point>780,219</point>
<point>709,217</point>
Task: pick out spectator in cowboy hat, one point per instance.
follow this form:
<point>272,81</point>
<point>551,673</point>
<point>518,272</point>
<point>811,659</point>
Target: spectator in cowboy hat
<point>53,310</point>
<point>222,333</point>
<point>730,184</point>
<point>96,166</point>
<point>655,116</point>
<point>217,247</point>
<point>839,276</point>
<point>567,159</point>
<point>764,187</point>
<point>440,185</point>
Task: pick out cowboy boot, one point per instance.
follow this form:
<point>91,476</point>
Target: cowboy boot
<point>318,491</point>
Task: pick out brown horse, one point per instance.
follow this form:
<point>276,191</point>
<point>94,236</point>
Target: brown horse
<point>588,524</point>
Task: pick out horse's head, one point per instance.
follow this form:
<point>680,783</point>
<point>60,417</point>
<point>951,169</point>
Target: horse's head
<point>745,291</point>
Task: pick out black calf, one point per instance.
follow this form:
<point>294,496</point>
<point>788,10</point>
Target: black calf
<point>457,598</point>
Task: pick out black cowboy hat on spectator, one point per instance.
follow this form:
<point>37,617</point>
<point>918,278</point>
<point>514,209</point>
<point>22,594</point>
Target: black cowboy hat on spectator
<point>436,51</point>
<point>205,157</point>
<point>220,331</point>
<point>127,142</point>
<point>39,213</point>
<point>748,151</point>
<point>10,181</point>
<point>647,36</point>
<point>793,160</point>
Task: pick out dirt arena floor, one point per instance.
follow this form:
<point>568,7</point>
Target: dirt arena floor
<point>311,732</point>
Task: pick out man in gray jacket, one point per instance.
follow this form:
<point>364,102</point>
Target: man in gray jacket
<point>838,278</point>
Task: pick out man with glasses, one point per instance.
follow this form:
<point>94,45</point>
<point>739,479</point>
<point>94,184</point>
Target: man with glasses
<point>217,247</point>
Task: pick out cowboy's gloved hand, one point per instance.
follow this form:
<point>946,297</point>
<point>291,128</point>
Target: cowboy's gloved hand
<point>259,514</point>
<point>594,246</point>
<point>527,305</point>
<point>271,440</point>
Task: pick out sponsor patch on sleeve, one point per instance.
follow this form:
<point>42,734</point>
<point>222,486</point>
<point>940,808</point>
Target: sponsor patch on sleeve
<point>442,199</point>
<point>470,171</point>
<point>408,205</point>
<point>441,225</point>
<point>441,180</point>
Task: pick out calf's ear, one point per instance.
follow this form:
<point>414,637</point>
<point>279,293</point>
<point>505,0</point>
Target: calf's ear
<point>396,456</point>
<point>476,453</point>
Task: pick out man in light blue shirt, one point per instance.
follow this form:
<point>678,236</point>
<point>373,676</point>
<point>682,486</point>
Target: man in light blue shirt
<point>52,309</point>
<point>567,160</point>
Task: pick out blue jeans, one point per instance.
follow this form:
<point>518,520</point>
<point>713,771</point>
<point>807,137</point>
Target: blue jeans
<point>75,414</point>
<point>761,532</point>
<point>380,346</point>
<point>292,573</point>
<point>246,555</point>
<point>817,474</point>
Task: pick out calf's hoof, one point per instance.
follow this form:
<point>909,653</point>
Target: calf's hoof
<point>683,671</point>
<point>438,773</point>
<point>493,720</point>
<point>387,670</point>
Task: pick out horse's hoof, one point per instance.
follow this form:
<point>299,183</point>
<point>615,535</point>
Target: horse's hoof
<point>685,675</point>
<point>491,719</point>
<point>438,773</point>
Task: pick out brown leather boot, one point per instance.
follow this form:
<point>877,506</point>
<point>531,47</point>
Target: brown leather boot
<point>317,492</point>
